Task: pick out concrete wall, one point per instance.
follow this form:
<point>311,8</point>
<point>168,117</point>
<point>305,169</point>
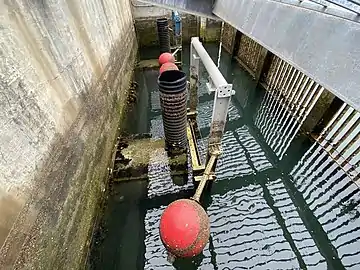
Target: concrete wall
<point>145,10</point>
<point>212,31</point>
<point>145,24</point>
<point>249,53</point>
<point>262,66</point>
<point>146,29</point>
<point>228,38</point>
<point>64,72</point>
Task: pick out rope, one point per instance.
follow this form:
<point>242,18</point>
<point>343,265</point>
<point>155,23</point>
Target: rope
<point>220,45</point>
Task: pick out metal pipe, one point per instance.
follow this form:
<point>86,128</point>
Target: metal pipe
<point>220,45</point>
<point>141,5</point>
<point>205,177</point>
<point>163,34</point>
<point>194,80</point>
<point>173,97</point>
<point>216,76</point>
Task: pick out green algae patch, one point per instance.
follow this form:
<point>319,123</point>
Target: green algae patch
<point>148,64</point>
<point>134,155</point>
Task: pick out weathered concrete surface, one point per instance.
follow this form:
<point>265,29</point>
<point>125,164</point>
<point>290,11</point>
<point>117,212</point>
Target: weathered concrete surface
<point>134,155</point>
<point>228,38</point>
<point>322,46</point>
<point>249,52</point>
<point>212,30</point>
<point>146,29</point>
<point>148,64</point>
<point>321,106</point>
<point>201,8</point>
<point>65,69</point>
<point>141,9</point>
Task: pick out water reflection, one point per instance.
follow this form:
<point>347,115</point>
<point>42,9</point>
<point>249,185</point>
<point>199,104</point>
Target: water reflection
<point>265,214</point>
<point>334,200</point>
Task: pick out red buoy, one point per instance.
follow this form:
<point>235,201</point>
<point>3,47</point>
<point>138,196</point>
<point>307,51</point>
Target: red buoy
<point>168,66</point>
<point>184,228</point>
<point>166,58</point>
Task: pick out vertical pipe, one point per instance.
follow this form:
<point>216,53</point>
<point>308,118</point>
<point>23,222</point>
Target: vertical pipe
<point>291,116</point>
<point>194,79</point>
<point>276,62</point>
<point>163,34</point>
<point>304,113</point>
<point>271,90</point>
<point>286,114</point>
<point>278,124</point>
<point>276,100</point>
<point>173,98</point>
<point>280,104</point>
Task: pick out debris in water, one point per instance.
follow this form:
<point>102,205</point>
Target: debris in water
<point>170,257</point>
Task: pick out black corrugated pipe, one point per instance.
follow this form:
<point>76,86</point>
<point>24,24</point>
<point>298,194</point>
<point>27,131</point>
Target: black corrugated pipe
<point>173,98</point>
<point>163,34</point>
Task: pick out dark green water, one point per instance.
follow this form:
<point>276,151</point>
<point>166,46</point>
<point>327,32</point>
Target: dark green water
<point>279,201</point>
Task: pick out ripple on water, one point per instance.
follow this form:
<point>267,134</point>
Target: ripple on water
<point>303,241</point>
<point>155,253</point>
<point>233,161</point>
<point>245,232</point>
<point>205,114</point>
<point>160,180</point>
<point>256,155</point>
<point>334,199</point>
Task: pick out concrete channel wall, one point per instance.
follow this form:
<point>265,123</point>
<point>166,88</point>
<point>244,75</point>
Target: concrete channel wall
<point>64,73</point>
<point>278,77</point>
<point>294,101</point>
<point>145,23</point>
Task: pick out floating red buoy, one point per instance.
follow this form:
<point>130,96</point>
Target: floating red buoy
<point>166,58</point>
<point>168,66</point>
<point>184,228</point>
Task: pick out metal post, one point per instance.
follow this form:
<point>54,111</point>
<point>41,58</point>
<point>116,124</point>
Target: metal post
<point>194,79</point>
<point>177,31</point>
<point>223,92</point>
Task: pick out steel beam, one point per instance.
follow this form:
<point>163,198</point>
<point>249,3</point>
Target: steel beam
<point>223,92</point>
<point>322,46</point>
<point>201,8</point>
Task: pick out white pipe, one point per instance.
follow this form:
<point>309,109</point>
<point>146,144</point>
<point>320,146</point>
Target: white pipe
<point>216,76</point>
<point>220,45</point>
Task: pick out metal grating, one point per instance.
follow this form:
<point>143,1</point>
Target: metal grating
<point>334,199</point>
<point>290,97</point>
<point>349,9</point>
<point>340,139</point>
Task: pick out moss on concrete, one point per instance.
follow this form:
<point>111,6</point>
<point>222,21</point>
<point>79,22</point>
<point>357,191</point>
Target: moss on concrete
<point>134,157</point>
<point>73,178</point>
<point>146,30</point>
<point>212,31</point>
<point>148,64</point>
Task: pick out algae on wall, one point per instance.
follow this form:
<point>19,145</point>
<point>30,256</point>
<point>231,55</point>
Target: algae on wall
<point>66,69</point>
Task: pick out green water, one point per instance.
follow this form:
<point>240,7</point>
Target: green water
<point>279,201</point>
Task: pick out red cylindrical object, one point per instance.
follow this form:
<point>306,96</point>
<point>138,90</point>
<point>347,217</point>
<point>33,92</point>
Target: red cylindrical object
<point>165,58</point>
<point>168,66</point>
<point>184,228</point>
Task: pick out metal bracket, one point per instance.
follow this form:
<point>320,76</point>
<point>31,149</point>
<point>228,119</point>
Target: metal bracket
<point>225,91</point>
<point>210,86</point>
<point>195,57</point>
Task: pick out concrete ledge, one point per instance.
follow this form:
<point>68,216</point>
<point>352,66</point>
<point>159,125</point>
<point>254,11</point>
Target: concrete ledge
<point>201,8</point>
<point>148,64</point>
<point>322,46</point>
<point>134,154</point>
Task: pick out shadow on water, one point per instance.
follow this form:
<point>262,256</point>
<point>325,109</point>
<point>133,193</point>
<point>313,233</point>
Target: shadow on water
<point>298,212</point>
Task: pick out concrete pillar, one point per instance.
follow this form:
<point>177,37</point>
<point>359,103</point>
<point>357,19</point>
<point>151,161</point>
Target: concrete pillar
<point>324,109</point>
<point>236,43</point>
<point>260,63</point>
<point>228,38</point>
<point>202,28</point>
